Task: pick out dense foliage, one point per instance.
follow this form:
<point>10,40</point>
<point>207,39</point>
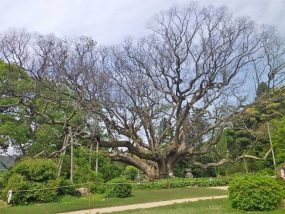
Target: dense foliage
<point>34,180</point>
<point>27,180</point>
<point>131,173</point>
<point>255,192</point>
<point>248,139</point>
<point>84,164</point>
<point>182,182</point>
<point>118,188</point>
<point>36,170</point>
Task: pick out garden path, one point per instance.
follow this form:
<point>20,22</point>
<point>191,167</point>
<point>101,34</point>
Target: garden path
<point>144,205</point>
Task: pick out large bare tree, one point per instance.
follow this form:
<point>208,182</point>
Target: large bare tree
<point>158,100</point>
<point>196,60</point>
<point>269,68</point>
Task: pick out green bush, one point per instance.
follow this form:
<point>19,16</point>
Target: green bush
<point>118,188</point>
<point>255,192</point>
<point>38,170</point>
<point>18,184</point>
<point>82,172</point>
<point>130,173</point>
<point>25,192</point>
<point>32,180</point>
<point>42,192</point>
<point>266,171</point>
<point>97,184</point>
<point>64,187</point>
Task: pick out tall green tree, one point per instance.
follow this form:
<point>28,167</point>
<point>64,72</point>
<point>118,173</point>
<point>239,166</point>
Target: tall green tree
<point>249,136</point>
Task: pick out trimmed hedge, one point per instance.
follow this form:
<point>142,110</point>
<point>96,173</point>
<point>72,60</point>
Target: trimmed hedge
<point>182,182</point>
<point>118,188</point>
<point>255,193</point>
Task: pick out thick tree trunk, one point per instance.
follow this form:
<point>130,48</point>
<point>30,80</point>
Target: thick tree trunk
<point>163,169</point>
<point>156,166</point>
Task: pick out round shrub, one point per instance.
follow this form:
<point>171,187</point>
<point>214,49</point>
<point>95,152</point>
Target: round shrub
<point>255,192</point>
<point>118,188</point>
<point>32,180</point>
<point>39,170</point>
<point>25,192</point>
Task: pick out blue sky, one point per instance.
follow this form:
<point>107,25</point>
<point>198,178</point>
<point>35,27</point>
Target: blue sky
<point>110,21</point>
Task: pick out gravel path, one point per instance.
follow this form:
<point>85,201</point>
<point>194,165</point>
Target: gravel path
<point>142,206</point>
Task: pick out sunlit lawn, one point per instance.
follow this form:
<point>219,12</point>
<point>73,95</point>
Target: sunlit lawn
<point>218,206</point>
<point>69,203</point>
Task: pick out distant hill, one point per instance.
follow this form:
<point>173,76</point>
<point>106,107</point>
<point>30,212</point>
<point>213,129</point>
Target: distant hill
<point>7,161</point>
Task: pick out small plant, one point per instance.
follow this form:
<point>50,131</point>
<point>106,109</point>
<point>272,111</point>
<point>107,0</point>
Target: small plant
<point>255,192</point>
<point>118,188</point>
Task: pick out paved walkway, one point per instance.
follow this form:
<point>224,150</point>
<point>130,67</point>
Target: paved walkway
<point>142,206</point>
<point>220,187</point>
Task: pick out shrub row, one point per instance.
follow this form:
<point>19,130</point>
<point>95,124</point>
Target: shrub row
<point>255,192</point>
<point>182,182</point>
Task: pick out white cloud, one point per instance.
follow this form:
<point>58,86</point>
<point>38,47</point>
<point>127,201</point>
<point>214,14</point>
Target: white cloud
<point>109,21</point>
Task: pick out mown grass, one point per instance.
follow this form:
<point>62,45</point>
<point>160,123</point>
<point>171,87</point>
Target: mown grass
<point>217,206</point>
<point>69,203</point>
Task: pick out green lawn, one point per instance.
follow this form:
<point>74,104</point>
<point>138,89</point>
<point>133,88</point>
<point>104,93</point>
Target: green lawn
<point>139,196</point>
<point>218,206</point>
